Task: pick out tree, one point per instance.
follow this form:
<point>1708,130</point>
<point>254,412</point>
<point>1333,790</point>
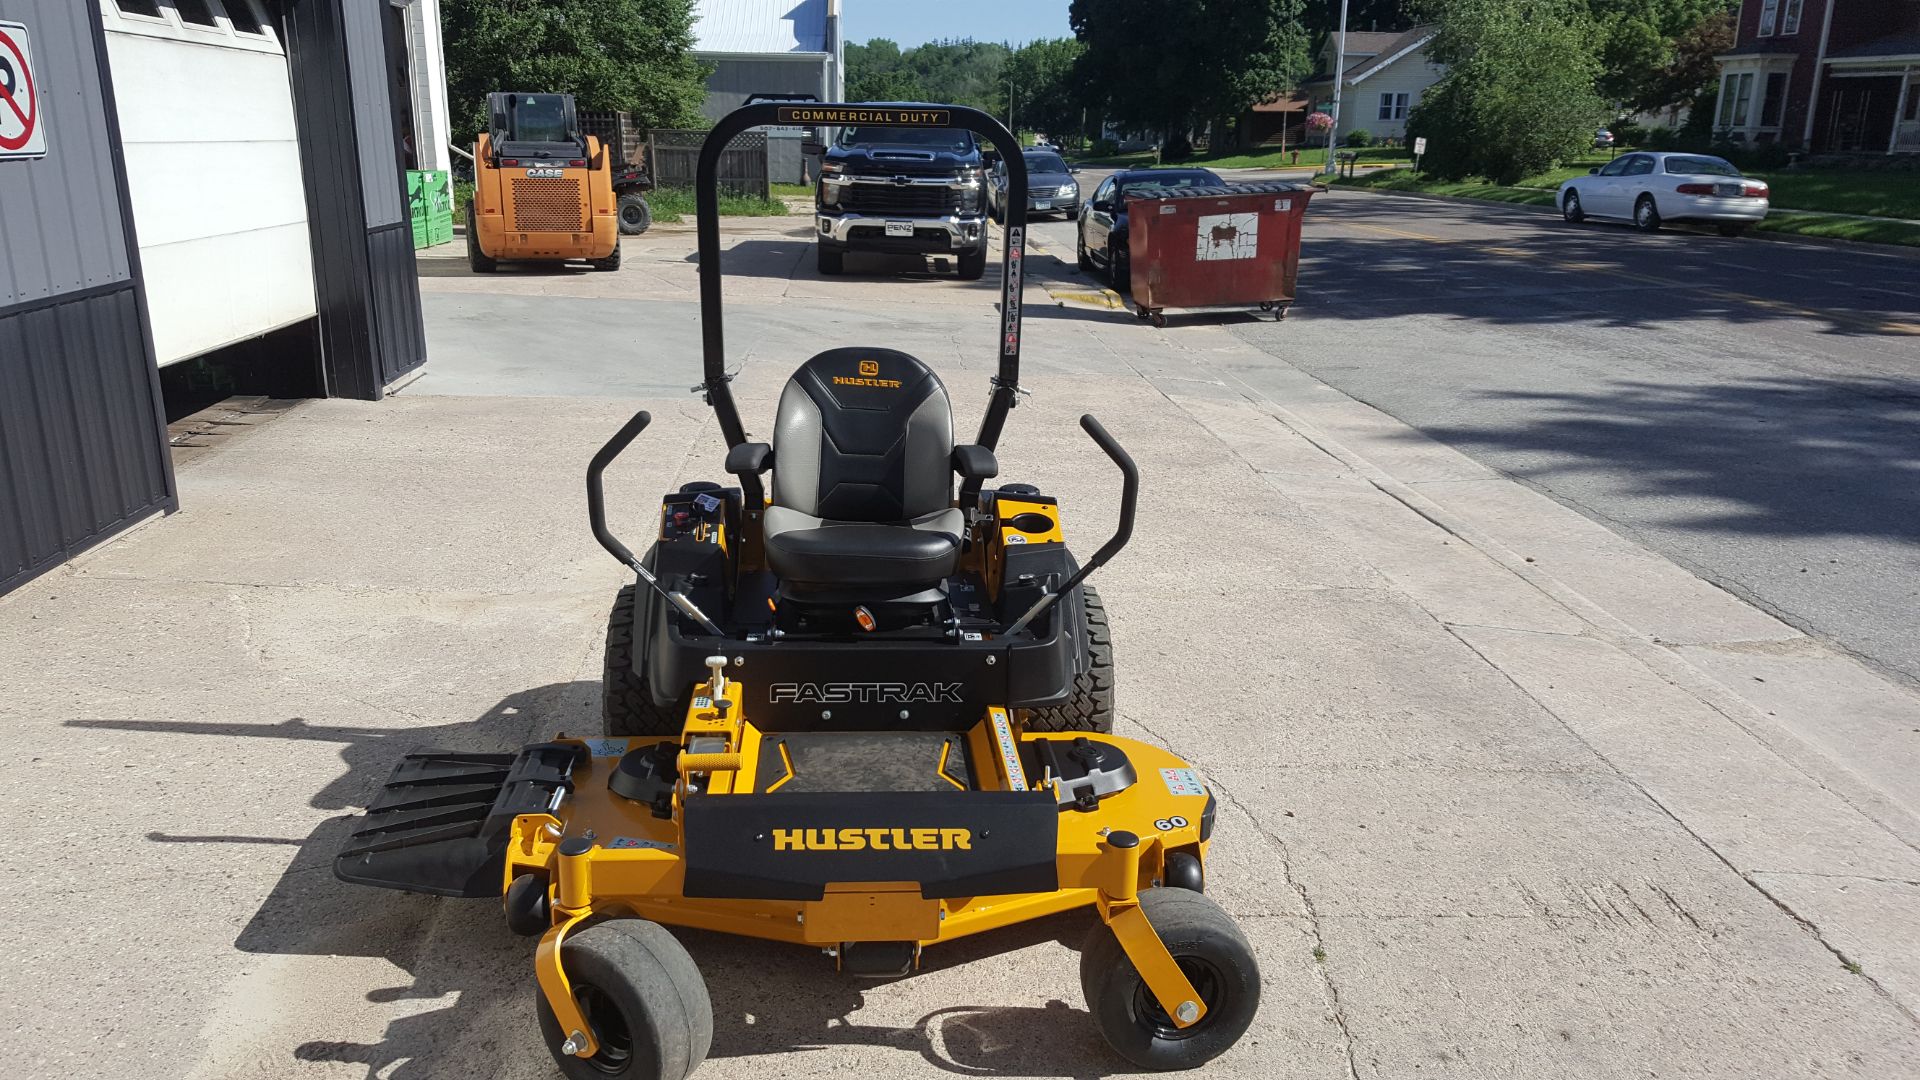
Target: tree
<point>1169,65</point>
<point>1045,95</point>
<point>1638,46</point>
<point>949,72</point>
<point>611,55</point>
<point>1518,94</point>
<point>1690,68</point>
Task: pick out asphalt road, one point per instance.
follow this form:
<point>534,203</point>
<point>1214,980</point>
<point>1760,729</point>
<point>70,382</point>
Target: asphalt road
<point>1748,408</point>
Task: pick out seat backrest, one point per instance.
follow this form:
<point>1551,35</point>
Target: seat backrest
<point>863,435</point>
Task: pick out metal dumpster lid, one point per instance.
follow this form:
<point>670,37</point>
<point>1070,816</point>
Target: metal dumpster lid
<point>1214,191</point>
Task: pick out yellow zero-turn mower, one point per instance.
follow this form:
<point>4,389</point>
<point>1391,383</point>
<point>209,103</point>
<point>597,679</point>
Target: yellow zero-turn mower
<point>868,715</point>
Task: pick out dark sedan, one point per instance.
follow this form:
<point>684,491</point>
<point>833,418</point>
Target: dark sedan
<point>1051,187</point>
<point>1102,240</point>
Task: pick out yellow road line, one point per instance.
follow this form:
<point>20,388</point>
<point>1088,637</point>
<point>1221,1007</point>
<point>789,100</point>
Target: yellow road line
<point>1848,318</point>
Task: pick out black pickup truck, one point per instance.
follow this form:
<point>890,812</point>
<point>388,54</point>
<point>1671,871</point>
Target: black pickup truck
<point>904,191</point>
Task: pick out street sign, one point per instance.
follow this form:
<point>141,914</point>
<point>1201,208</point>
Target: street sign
<point>22,132</point>
<point>1420,146</point>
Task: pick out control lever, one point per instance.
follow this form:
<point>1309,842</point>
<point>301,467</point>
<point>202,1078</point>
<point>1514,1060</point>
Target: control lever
<point>597,517</point>
<point>1129,495</point>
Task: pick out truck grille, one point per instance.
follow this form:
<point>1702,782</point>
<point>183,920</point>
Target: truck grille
<point>547,206</point>
<point>910,200</point>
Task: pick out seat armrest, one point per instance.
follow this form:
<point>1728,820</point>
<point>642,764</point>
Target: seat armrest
<point>749,459</point>
<point>975,462</point>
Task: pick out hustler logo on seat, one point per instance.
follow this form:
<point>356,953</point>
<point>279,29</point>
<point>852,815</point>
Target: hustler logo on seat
<point>869,376</point>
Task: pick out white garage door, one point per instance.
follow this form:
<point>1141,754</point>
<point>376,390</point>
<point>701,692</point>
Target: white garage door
<point>213,164</point>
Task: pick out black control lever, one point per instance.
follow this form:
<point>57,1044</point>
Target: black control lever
<point>1129,496</point>
<point>597,517</point>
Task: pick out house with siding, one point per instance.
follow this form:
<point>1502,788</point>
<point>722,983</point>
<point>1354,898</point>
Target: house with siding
<point>1385,75</point>
<point>1830,76</point>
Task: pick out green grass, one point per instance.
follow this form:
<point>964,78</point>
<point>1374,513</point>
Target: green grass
<point>1311,157</point>
<point>793,190</point>
<point>1539,191</point>
<point>676,204</point>
<point>1845,191</point>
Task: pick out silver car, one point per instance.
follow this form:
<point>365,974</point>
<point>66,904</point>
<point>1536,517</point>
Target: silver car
<point>1651,189</point>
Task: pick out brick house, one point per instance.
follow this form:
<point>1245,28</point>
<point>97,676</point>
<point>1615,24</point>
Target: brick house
<point>1830,76</point>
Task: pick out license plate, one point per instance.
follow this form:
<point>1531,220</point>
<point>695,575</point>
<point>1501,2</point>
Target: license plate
<point>1728,191</point>
<point>1043,204</point>
<point>899,228</point>
<point>546,174</point>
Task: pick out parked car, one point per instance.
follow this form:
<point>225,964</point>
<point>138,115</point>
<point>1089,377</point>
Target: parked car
<point>1652,189</point>
<point>1101,239</point>
<point>902,190</point>
<point>1603,139</point>
<point>1051,187</point>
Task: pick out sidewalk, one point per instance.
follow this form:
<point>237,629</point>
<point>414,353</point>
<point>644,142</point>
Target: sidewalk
<point>1503,795</point>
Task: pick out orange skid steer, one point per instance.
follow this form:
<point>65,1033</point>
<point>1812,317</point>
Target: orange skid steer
<point>542,191</point>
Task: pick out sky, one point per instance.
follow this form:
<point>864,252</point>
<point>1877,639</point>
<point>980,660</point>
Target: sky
<point>916,22</point>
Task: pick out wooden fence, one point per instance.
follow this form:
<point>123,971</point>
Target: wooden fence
<point>674,154</point>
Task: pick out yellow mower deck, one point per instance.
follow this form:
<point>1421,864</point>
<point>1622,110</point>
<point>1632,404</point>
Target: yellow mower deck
<point>629,861</point>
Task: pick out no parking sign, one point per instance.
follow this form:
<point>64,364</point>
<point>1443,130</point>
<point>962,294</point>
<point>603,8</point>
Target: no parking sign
<point>22,134</point>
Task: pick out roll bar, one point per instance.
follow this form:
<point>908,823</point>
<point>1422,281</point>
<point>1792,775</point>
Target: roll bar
<point>1006,385</point>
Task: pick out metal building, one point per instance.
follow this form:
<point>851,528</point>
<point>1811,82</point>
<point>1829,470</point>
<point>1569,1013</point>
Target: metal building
<point>183,180</point>
<point>768,47</point>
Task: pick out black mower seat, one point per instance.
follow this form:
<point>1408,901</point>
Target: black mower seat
<point>817,553</point>
<point>863,477</point>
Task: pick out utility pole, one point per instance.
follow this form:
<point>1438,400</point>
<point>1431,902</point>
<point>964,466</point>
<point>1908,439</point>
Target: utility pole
<point>1339,76</point>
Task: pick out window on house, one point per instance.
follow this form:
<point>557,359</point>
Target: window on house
<point>1393,106</point>
<point>1742,87</point>
<point>1790,18</point>
<point>1769,12</point>
<point>196,12</point>
<point>1773,100</point>
<point>245,21</point>
<point>1912,111</point>
<point>149,8</point>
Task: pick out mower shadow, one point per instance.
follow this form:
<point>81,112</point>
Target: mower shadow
<point>768,998</point>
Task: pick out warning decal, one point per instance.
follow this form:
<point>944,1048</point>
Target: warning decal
<point>21,133</point>
<point>1227,236</point>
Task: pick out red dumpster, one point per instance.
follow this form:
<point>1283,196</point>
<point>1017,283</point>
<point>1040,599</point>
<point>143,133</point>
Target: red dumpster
<point>1214,246</point>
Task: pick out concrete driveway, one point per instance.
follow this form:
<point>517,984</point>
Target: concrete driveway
<point>1487,808</point>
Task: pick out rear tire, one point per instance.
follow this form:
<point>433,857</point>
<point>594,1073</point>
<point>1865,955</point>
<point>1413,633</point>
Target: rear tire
<point>626,697</point>
<point>1216,958</point>
<point>636,216</point>
<point>1080,251</point>
<point>477,260</point>
<point>1090,707</point>
<point>829,260</point>
<point>1646,215</point>
<point>973,265</point>
<point>1119,271</point>
<point>643,995</point>
<point>611,262</point>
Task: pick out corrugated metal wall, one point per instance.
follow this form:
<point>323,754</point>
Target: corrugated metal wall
<point>82,434</point>
<point>60,226</point>
<point>734,79</point>
<point>372,104</point>
<point>365,276</point>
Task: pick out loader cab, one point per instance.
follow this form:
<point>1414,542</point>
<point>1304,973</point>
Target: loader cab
<point>538,127</point>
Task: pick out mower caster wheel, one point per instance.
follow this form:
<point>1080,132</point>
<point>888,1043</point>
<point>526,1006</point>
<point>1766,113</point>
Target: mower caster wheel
<point>1217,960</point>
<point>525,903</point>
<point>1183,872</point>
<point>644,998</point>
